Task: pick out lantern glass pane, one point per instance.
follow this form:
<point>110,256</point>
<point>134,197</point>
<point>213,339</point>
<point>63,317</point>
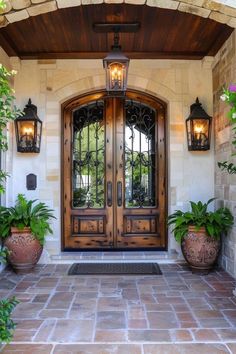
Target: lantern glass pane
<point>189,133</point>
<point>38,127</point>
<point>201,132</point>
<point>117,76</point>
<point>25,133</point>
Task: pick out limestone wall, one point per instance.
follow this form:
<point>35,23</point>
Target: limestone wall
<point>49,83</point>
<point>224,73</point>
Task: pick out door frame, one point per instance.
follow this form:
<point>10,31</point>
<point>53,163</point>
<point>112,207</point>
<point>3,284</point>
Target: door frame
<point>67,108</point>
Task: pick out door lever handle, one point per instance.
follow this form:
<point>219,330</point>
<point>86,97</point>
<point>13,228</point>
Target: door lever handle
<point>119,193</point>
<point>109,194</point>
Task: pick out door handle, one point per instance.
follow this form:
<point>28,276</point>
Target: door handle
<point>119,193</point>
<point>109,194</point>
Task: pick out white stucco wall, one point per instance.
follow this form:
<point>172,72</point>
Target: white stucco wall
<point>49,83</point>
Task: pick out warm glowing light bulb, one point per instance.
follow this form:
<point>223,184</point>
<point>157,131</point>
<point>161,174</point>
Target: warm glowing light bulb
<point>198,129</point>
<point>28,131</point>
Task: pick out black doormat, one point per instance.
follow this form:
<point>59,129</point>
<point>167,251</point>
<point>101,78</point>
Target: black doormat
<point>114,269</point>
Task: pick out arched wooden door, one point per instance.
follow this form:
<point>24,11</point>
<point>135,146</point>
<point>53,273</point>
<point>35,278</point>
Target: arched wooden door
<point>114,172</point>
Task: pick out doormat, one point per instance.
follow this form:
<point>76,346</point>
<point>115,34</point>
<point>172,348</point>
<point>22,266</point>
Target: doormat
<point>114,269</point>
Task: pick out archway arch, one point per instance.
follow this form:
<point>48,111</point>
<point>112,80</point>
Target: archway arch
<point>216,10</point>
<point>114,172</point>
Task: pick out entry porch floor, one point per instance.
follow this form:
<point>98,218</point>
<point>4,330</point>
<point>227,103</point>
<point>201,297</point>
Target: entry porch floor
<point>177,312</point>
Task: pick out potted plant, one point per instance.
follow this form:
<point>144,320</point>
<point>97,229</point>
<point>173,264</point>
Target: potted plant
<point>199,232</point>
<point>24,228</point>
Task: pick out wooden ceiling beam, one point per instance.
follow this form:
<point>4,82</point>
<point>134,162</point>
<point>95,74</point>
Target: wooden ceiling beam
<point>101,55</point>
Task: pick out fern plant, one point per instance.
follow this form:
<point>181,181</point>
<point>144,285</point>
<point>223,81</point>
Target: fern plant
<point>215,222</point>
<point>7,325</point>
<point>26,214</point>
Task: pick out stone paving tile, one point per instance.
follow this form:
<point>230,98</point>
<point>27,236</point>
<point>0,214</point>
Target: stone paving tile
<point>230,315</point>
<point>148,335</point>
<point>29,324</point>
<point>26,330</point>
<point>185,349</point>
<point>60,300</point>
<point>47,282</point>
<point>83,309</point>
<point>137,323</point>
<point>27,310</point>
<point>214,323</point>
<point>205,335</point>
<point>67,331</point>
<point>162,320</point>
<point>27,349</point>
<point>53,313</point>
<point>45,331</point>
<point>110,336</point>
<point>111,320</point>
<point>41,298</point>
<point>98,349</point>
<point>181,335</point>
<point>227,335</point>
<point>23,335</point>
<point>111,304</point>
<point>136,312</point>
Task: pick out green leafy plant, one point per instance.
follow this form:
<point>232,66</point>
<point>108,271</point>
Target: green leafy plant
<point>26,214</point>
<point>215,222</point>
<point>8,112</point>
<point>229,96</point>
<point>7,325</point>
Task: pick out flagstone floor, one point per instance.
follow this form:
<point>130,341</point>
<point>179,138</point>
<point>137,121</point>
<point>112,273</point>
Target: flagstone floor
<point>177,312</point>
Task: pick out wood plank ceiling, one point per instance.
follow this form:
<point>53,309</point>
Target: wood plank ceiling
<point>68,33</point>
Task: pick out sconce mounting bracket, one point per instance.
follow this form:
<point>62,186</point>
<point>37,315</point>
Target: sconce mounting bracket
<point>106,27</point>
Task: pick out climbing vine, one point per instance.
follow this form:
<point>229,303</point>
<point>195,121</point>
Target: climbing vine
<point>229,96</point>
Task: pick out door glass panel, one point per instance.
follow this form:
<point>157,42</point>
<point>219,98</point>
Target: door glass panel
<point>140,159</point>
<point>88,156</point>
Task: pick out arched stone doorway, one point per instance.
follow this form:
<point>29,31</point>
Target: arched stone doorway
<point>114,172</point>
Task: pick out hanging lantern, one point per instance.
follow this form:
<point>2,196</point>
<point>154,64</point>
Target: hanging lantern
<point>198,126</point>
<point>116,65</point>
<point>28,130</point>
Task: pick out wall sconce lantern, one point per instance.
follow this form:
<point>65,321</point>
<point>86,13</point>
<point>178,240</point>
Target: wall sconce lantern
<point>28,130</point>
<point>198,125</point>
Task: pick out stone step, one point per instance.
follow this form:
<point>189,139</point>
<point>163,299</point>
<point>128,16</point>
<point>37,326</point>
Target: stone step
<point>142,256</point>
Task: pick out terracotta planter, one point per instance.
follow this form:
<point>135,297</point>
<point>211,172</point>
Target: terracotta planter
<point>25,249</point>
<point>200,250</point>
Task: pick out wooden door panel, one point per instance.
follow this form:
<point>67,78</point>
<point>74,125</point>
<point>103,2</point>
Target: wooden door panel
<point>147,225</point>
<point>87,170</point>
<point>138,155</point>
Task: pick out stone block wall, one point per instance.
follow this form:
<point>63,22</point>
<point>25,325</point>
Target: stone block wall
<point>50,83</point>
<point>224,73</point>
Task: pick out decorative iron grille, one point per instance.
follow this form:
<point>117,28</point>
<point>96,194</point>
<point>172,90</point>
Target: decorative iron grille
<point>88,156</point>
<point>140,156</point>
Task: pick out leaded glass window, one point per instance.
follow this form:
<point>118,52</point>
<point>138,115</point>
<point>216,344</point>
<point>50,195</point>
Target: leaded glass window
<point>88,156</point>
<point>140,157</point>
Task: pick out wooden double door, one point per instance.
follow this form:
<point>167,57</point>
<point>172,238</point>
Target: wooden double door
<point>114,169</point>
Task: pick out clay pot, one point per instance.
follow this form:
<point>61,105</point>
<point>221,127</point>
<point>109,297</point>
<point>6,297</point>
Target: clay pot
<point>200,250</point>
<point>25,249</point>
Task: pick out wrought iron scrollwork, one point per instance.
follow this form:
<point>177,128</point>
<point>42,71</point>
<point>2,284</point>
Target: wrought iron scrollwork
<point>140,160</point>
<point>88,156</point>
